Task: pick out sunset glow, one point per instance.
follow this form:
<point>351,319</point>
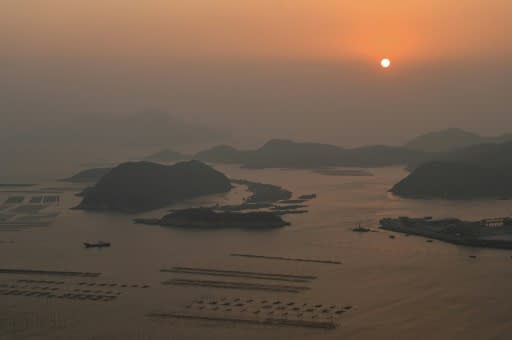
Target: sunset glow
<point>300,29</point>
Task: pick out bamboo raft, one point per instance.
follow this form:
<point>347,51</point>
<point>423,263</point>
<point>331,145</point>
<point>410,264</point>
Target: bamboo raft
<point>281,258</point>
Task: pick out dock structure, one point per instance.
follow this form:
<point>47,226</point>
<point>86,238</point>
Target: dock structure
<point>495,222</point>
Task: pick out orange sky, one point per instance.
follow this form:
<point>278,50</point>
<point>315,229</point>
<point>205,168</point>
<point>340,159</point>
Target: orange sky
<point>297,68</point>
<point>408,30</point>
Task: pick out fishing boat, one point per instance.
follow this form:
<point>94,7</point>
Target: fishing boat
<point>99,244</point>
<point>360,229</point>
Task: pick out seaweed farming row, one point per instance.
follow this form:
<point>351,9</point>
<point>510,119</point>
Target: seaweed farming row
<point>4,285</point>
<point>266,321</point>
<point>54,289</point>
<point>46,294</point>
<point>47,272</point>
<point>36,211</point>
<point>46,199</point>
<point>41,281</point>
<point>79,283</point>
<point>240,274</point>
<point>261,312</point>
<point>86,283</point>
<point>119,285</point>
<point>236,285</point>
<point>281,258</point>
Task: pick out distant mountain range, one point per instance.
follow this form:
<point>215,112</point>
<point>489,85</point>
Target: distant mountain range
<point>279,153</point>
<point>452,139</point>
<point>284,153</point>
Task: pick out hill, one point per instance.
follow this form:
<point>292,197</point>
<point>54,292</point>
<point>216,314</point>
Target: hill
<point>141,186</point>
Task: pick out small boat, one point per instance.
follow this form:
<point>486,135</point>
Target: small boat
<point>360,229</point>
<point>99,244</point>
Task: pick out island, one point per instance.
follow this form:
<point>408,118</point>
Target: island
<point>307,197</point>
<point>135,187</point>
<point>488,233</point>
<point>205,218</point>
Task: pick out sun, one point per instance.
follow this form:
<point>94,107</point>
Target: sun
<point>385,63</point>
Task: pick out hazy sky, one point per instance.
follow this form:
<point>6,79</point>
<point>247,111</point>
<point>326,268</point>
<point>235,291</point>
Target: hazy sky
<point>305,69</point>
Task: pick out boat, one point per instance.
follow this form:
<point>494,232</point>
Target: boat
<point>360,229</point>
<point>99,244</point>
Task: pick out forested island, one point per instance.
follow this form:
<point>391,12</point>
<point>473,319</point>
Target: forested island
<point>141,186</point>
